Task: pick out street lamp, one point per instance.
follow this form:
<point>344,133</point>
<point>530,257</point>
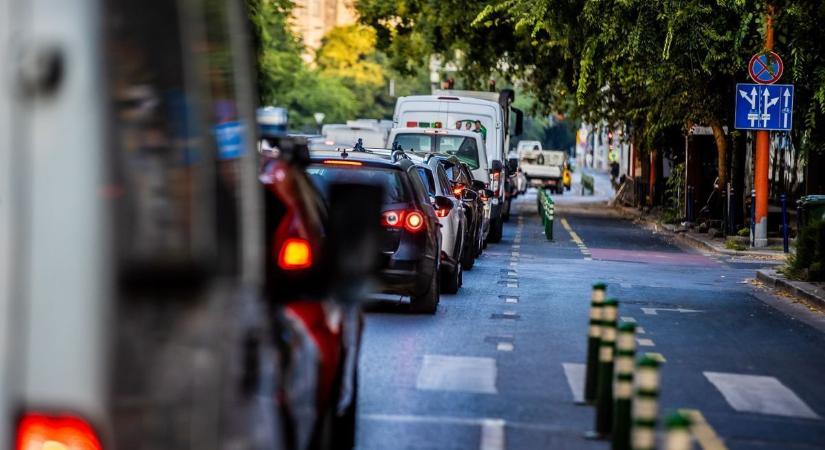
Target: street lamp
<point>319,119</point>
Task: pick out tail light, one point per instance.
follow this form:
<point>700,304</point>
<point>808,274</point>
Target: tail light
<point>44,432</point>
<point>411,221</point>
<point>458,190</point>
<point>483,195</point>
<point>442,212</point>
<point>296,253</point>
<point>495,181</point>
<point>414,221</point>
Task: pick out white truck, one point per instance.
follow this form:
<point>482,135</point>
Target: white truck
<point>542,167</point>
<point>487,113</point>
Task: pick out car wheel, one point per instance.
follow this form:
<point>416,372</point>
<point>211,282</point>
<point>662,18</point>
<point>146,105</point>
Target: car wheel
<point>428,302</point>
<point>496,230</point>
<point>468,258</point>
<point>452,281</point>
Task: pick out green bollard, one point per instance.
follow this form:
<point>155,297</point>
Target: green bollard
<point>678,432</point>
<point>604,387</point>
<point>645,404</point>
<point>623,387</point>
<point>593,337</point>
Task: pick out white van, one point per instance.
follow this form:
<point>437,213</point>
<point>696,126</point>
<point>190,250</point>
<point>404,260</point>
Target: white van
<point>467,146</point>
<point>347,135</point>
<point>468,113</point>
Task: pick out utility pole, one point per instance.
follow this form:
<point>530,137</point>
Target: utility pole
<point>762,160</point>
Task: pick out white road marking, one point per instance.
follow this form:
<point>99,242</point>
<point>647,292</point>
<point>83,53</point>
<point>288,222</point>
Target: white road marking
<point>511,285</point>
<point>574,373</point>
<point>654,311</point>
<point>704,433</point>
<point>640,330</point>
<point>457,373</point>
<point>628,319</point>
<point>645,342</point>
<point>492,434</point>
<point>515,246</point>
<point>513,263</point>
<point>504,347</point>
<point>759,394</point>
<point>515,254</point>
<point>626,285</point>
<point>510,300</point>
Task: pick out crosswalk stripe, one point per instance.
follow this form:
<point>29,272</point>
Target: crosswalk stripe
<point>457,373</point>
<point>759,394</point>
<point>574,372</point>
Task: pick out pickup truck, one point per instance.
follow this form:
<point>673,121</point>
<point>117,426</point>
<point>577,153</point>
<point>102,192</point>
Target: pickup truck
<point>544,167</point>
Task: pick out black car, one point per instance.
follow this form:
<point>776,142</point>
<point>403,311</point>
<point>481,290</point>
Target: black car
<point>411,245</point>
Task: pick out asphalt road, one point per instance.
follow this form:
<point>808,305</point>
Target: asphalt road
<point>500,364</point>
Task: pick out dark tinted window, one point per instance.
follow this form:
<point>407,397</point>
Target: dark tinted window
<point>324,176</point>
<point>427,180</point>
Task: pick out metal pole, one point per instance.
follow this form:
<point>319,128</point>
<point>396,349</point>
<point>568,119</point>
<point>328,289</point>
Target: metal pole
<point>728,211</point>
<point>762,160</point>
<point>784,200</point>
<point>753,217</point>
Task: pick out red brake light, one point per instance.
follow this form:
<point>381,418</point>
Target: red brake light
<point>42,432</point>
<point>442,212</point>
<point>412,124</point>
<point>414,221</point>
<point>340,162</point>
<point>457,190</point>
<point>295,253</point>
<point>392,219</point>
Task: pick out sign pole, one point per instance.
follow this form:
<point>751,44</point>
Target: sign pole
<point>762,161</point>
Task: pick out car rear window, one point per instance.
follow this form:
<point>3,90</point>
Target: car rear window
<point>427,180</point>
<point>463,147</point>
<point>324,176</point>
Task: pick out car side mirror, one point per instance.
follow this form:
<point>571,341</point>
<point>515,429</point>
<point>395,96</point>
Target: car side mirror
<point>354,234</point>
<point>497,166</point>
<point>478,185</point>
<point>442,203</point>
<point>469,195</point>
<point>291,149</point>
<point>512,165</point>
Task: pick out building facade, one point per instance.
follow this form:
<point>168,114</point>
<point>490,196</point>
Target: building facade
<point>312,19</point>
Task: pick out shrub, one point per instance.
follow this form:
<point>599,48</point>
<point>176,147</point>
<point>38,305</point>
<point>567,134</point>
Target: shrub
<point>808,262</point>
<point>733,244</point>
<point>744,232</point>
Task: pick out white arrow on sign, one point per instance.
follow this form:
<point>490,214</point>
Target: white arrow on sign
<point>751,99</point>
<point>653,311</point>
<point>767,104</point>
<point>787,96</point>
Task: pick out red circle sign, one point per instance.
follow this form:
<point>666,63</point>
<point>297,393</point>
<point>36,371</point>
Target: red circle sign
<point>764,70</point>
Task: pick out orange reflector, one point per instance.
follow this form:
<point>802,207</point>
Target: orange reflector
<point>341,162</point>
<point>42,432</point>
<point>295,254</point>
<point>414,222</point>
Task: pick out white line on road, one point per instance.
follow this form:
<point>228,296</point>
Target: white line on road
<point>628,319</point>
<point>759,394</point>
<point>510,300</point>
<point>574,373</point>
<point>504,347</point>
<point>645,342</point>
<point>657,356</point>
<point>511,285</point>
<point>457,373</point>
<point>654,311</point>
<point>492,434</point>
<point>640,330</point>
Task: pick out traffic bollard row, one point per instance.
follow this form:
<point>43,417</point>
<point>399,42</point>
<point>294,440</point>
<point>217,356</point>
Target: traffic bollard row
<point>597,298</point>
<point>547,211</point>
<point>623,387</point>
<point>645,405</point>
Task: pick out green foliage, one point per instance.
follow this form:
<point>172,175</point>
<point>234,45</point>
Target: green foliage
<point>808,261</point>
<point>733,244</point>
<point>744,232</point>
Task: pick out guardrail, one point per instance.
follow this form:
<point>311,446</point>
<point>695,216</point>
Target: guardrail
<point>547,212</point>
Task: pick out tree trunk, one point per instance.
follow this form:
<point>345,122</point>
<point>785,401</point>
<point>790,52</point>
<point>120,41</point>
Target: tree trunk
<point>721,152</point>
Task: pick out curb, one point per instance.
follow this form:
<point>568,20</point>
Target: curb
<point>799,289</point>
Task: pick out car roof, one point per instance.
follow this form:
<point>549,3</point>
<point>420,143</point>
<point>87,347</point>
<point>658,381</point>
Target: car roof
<point>437,131</point>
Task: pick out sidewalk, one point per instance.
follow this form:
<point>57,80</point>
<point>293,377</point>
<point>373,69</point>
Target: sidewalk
<point>812,292</point>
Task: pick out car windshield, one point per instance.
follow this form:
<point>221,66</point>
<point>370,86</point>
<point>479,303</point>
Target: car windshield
<point>324,176</point>
<point>463,147</point>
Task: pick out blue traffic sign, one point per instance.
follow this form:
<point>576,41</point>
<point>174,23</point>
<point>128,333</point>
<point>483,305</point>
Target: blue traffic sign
<point>764,107</point>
